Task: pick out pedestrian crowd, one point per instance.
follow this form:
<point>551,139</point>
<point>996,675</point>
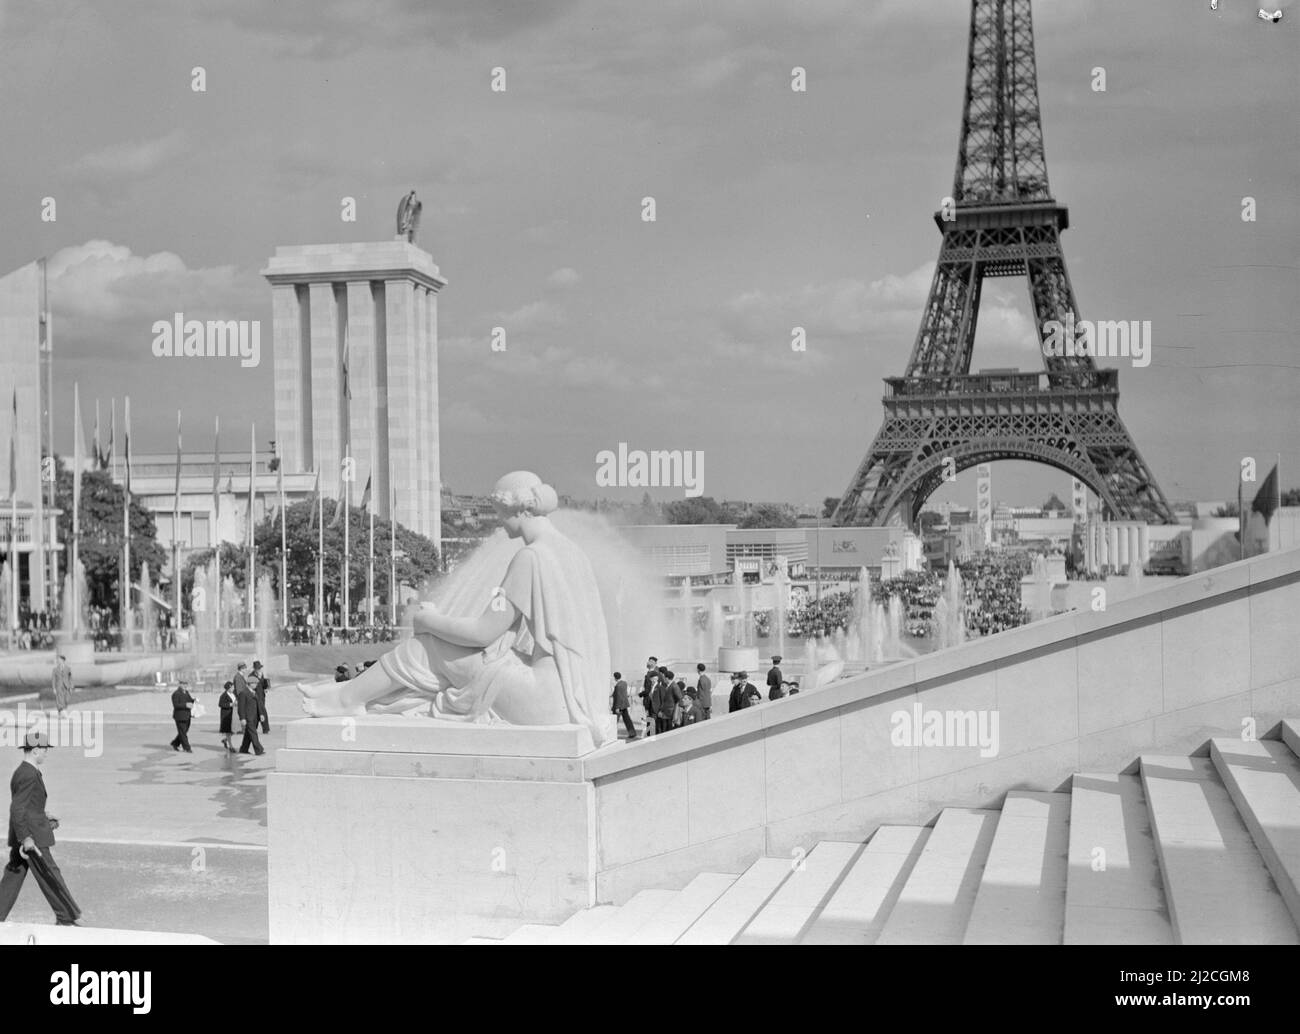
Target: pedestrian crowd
<point>668,702</point>
<point>243,698</point>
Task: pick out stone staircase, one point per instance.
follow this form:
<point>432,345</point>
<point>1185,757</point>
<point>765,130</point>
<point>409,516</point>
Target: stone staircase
<point>1191,850</point>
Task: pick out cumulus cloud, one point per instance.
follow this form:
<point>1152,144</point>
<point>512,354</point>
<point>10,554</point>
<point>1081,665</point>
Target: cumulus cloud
<point>103,293</point>
<point>311,29</point>
<point>840,308</point>
<point>130,159</point>
<point>531,316</point>
<point>564,277</point>
<point>858,309</point>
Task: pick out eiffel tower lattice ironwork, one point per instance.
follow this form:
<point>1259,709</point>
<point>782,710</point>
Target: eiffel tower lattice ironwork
<point>1003,221</point>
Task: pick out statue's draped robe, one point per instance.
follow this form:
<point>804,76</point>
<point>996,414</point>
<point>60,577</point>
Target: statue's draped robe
<point>551,583</point>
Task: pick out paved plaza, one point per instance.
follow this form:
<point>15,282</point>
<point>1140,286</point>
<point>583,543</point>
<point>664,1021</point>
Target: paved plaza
<point>153,839</point>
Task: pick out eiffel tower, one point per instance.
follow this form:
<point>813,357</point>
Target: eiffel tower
<point>1000,221</point>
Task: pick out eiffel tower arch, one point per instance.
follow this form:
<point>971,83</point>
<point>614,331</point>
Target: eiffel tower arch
<point>1002,221</point>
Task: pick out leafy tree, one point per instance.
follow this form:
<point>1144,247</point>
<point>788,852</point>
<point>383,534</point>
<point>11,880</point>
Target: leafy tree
<point>417,556</point>
<point>648,512</point>
<point>100,546</point>
<point>1226,510</point>
<point>829,504</point>
<point>1291,497</point>
<point>768,515</point>
<point>702,509</point>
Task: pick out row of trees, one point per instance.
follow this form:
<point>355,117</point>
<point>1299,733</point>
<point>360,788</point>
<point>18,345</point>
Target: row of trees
<point>102,537</point>
<point>417,556</point>
<point>706,510</point>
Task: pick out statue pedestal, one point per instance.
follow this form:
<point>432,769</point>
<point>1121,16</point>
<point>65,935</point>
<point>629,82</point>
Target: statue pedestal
<point>404,830</point>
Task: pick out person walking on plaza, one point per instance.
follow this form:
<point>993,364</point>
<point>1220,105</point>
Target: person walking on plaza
<point>704,691</point>
<point>620,704</point>
<point>260,686</point>
<point>774,679</point>
<point>665,698</point>
<point>227,704</point>
<point>62,684</point>
<point>647,688</point>
<point>246,702</point>
<point>31,835</point>
<point>736,701</point>
<point>692,712</point>
<point>182,702</point>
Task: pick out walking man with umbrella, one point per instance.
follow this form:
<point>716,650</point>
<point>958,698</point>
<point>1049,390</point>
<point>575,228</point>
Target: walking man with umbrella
<point>31,835</point>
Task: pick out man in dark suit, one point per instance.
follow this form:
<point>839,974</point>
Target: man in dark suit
<point>704,691</point>
<point>182,702</point>
<point>246,702</point>
<point>736,701</point>
<point>31,835</point>
<point>664,698</point>
<point>619,704</point>
<point>775,691</point>
<point>260,685</point>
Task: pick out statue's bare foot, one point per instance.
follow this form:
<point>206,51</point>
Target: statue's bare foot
<point>325,700</point>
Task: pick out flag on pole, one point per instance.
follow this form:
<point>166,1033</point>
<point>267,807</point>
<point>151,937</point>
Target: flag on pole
<point>1268,498</point>
<point>126,445</point>
<point>315,498</point>
<point>99,455</point>
<point>176,503</point>
<point>216,473</point>
<point>13,454</point>
<point>338,514</point>
<point>365,495</point>
<point>279,488</point>
<point>78,443</point>
<point>347,387</point>
<point>112,435</point>
<point>252,484</point>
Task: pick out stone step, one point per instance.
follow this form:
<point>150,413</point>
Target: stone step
<point>1021,895</point>
<point>738,904</point>
<point>580,927</point>
<point>631,916</point>
<point>856,911</point>
<point>785,916</point>
<point>935,902</point>
<point>531,933</point>
<point>1263,779</point>
<point>1114,892</point>
<point>1218,889</point>
<point>1291,734</point>
<point>668,924</point>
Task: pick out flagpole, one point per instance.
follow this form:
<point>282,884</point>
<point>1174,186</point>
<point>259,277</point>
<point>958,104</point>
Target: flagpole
<point>13,525</point>
<point>370,574</point>
<point>284,554</point>
<point>176,544</point>
<point>392,559</point>
<point>1241,522</point>
<point>320,556</point>
<point>347,549</point>
<point>125,599</point>
<point>216,513</point>
<point>252,534</point>
<point>77,445</point>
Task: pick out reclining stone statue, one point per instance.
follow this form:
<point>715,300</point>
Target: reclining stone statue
<point>538,654</point>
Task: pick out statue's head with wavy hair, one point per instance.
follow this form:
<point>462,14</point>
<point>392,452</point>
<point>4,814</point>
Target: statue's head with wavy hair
<point>522,493</point>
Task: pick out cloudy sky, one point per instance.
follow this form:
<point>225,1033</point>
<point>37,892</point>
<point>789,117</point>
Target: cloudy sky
<point>774,209</point>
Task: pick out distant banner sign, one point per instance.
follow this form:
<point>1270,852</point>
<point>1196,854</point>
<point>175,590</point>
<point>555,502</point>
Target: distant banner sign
<point>844,546</point>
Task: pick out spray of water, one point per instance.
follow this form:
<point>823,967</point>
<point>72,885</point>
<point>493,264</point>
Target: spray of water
<point>631,594</point>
